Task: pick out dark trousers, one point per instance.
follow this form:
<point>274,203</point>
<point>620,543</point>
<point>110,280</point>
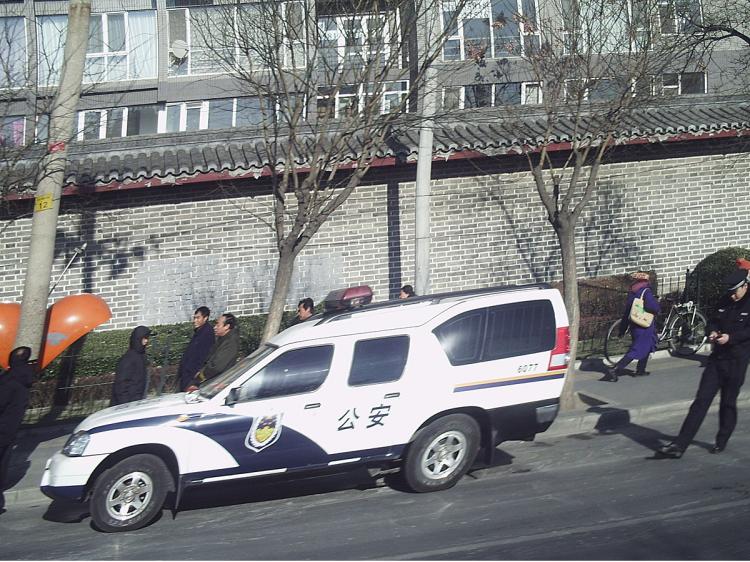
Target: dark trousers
<point>726,377</point>
<point>4,465</point>
<point>627,359</point>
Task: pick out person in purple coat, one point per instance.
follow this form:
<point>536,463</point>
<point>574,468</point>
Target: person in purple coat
<point>644,339</point>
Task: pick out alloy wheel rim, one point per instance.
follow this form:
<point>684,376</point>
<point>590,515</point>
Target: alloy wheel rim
<point>443,455</point>
<point>130,496</point>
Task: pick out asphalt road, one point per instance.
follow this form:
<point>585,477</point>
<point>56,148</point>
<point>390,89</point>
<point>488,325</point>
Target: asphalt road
<point>590,496</point>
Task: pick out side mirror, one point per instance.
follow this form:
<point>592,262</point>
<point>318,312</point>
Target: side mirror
<point>233,397</point>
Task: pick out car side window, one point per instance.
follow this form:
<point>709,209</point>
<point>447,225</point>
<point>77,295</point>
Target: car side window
<point>461,337</point>
<point>378,360</point>
<point>519,329</point>
<point>294,372</point>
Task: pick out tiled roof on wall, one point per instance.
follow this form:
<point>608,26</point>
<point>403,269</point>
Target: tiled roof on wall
<point>213,155</point>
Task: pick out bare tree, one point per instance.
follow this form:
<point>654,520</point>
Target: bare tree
<point>590,64</point>
<point>331,82</point>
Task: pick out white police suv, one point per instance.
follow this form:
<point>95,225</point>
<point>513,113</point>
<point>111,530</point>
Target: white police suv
<point>424,384</point>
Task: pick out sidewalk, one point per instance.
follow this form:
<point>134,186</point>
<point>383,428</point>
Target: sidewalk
<point>669,390</point>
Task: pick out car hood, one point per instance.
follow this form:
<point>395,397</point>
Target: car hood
<point>166,405</point>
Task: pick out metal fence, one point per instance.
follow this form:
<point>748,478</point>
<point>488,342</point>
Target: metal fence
<point>601,303</point>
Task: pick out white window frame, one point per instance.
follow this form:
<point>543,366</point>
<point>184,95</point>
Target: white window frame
<point>288,43</point>
<point>104,115</point>
<point>677,89</point>
<point>106,54</point>
<point>471,9</point>
<point>678,23</point>
<point>184,107</point>
<point>361,95</point>
<point>13,118</point>
<point>23,56</point>
<point>337,34</point>
<point>526,87</point>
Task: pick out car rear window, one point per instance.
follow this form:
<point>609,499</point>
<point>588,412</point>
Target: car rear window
<point>496,332</point>
<point>519,329</point>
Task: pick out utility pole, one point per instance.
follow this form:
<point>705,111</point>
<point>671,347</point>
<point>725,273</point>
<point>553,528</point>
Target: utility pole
<point>422,276</point>
<point>51,176</point>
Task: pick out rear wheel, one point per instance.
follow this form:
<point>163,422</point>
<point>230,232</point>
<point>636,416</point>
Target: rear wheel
<point>616,345</point>
<point>687,333</point>
<point>441,453</point>
<point>130,495</point>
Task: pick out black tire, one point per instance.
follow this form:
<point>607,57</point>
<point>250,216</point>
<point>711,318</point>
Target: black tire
<point>616,345</point>
<point>441,453</point>
<point>687,333</point>
<point>130,494</point>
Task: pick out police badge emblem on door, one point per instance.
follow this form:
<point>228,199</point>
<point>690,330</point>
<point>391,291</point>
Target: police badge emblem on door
<point>264,432</point>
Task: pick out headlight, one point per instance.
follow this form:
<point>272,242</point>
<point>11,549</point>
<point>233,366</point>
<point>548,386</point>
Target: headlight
<point>76,444</point>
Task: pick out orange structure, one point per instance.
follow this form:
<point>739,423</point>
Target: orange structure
<point>67,320</point>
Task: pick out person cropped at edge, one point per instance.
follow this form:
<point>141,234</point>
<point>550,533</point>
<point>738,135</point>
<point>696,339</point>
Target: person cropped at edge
<point>197,351</point>
<point>130,373</point>
<point>644,339</point>
<point>729,330</point>
<point>14,397</point>
<point>225,350</point>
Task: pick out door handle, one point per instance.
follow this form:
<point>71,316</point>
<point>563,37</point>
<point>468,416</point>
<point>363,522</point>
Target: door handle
<point>392,395</point>
<point>311,406</point>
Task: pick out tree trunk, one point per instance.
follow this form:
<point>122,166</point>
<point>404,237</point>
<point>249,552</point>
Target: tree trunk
<point>280,292</point>
<point>565,231</point>
<point>49,189</point>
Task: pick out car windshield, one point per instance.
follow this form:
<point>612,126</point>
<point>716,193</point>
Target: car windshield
<point>212,387</point>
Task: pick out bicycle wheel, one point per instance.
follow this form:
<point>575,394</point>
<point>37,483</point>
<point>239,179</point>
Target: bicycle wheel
<point>687,333</point>
<point>615,345</point>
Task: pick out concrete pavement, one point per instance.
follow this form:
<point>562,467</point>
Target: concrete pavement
<point>667,391</point>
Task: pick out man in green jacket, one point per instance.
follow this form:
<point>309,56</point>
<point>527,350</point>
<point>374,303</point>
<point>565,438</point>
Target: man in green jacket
<point>224,351</point>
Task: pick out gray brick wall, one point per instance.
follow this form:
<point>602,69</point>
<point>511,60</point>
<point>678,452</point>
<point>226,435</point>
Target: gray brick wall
<point>154,260</point>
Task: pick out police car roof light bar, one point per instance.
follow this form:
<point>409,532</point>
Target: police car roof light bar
<point>345,299</point>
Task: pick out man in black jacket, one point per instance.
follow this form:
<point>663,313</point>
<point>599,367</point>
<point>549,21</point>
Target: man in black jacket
<point>130,374</point>
<point>725,371</point>
<point>14,397</point>
<point>196,353</point>
<point>225,350</point>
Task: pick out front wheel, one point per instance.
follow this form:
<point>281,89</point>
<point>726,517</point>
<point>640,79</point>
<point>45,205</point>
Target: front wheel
<point>687,333</point>
<point>616,345</point>
<point>129,495</point>
<point>441,453</point>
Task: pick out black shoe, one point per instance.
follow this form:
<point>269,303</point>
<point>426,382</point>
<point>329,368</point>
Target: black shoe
<point>672,451</point>
<point>716,449</point>
<point>642,373</point>
<point>610,375</point>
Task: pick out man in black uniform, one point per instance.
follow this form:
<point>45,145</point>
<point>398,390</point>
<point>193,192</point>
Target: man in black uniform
<point>725,371</point>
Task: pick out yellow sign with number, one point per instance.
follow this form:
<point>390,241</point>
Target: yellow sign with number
<point>43,202</point>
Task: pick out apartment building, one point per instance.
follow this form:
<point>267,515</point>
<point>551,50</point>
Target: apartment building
<point>185,111</point>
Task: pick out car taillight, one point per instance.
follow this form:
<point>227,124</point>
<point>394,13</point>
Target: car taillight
<point>560,356</point>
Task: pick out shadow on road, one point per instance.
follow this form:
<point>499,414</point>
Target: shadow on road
<point>617,421</point>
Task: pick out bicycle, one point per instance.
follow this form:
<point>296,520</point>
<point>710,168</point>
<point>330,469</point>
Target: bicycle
<point>684,329</point>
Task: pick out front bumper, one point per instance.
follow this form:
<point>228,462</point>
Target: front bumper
<point>65,478</point>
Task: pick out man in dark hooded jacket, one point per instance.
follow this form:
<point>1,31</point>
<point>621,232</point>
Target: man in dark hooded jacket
<point>197,350</point>
<point>130,374</point>
<point>14,397</point>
